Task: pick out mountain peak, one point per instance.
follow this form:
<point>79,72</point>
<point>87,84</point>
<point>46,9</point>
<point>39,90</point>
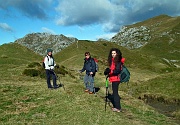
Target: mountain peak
<point>139,34</point>
<point>39,42</point>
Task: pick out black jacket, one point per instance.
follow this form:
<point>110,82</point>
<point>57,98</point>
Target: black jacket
<point>89,66</point>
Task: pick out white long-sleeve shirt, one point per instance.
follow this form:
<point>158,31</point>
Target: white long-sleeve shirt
<point>49,62</point>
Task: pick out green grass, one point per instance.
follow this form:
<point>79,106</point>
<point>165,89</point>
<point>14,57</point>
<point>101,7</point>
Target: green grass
<point>26,100</point>
<point>166,86</point>
<point>17,52</point>
<point>31,103</point>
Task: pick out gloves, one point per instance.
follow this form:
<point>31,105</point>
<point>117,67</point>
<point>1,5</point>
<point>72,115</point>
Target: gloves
<point>51,67</point>
<point>107,71</point>
<point>80,71</point>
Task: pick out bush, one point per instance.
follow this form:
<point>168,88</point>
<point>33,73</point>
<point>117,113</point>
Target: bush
<point>35,69</point>
<point>104,44</point>
<point>34,64</point>
<point>61,70</point>
<point>31,72</point>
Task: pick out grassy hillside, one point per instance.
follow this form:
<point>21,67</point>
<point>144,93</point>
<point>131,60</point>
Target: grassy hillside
<point>29,102</point>
<point>14,58</point>
<point>164,36</point>
<point>159,24</point>
<point>163,45</point>
<point>149,57</point>
<point>16,54</point>
<point>26,100</point>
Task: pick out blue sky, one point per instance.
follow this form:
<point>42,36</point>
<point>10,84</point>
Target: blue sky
<point>83,19</point>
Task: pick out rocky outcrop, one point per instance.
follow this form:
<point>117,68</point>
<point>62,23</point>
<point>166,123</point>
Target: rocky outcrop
<point>39,42</point>
<point>132,38</point>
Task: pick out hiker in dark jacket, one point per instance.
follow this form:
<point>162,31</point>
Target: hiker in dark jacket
<point>49,66</point>
<point>114,62</point>
<point>90,67</point>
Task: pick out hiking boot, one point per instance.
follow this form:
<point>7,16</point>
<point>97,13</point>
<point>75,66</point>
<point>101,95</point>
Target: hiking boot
<point>56,87</point>
<point>87,90</point>
<point>90,92</point>
<point>50,88</point>
<point>60,85</point>
<point>116,110</point>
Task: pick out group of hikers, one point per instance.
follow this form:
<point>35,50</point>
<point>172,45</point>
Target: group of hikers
<point>112,72</point>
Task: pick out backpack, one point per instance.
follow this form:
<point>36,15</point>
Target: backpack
<point>96,64</point>
<point>125,74</point>
<point>43,64</point>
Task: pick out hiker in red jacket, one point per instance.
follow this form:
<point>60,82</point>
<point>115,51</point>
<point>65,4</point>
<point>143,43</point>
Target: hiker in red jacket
<point>114,62</point>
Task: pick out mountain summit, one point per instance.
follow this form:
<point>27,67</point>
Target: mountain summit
<point>139,34</point>
<point>39,42</point>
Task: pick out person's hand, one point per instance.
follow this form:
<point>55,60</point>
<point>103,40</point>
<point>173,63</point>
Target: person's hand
<point>51,67</point>
<point>107,71</point>
<point>91,73</point>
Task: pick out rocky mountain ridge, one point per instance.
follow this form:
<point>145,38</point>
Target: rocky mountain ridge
<point>39,42</point>
<point>132,36</point>
<point>139,34</point>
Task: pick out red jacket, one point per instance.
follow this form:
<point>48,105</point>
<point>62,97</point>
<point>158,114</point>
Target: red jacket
<point>114,74</point>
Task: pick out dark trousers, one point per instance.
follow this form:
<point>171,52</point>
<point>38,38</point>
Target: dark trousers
<point>50,73</point>
<point>116,97</point>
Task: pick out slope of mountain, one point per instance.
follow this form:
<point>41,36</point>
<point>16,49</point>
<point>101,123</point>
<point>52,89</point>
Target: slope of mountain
<point>39,42</point>
<point>16,54</point>
<point>73,55</point>
<point>142,65</point>
<point>142,33</point>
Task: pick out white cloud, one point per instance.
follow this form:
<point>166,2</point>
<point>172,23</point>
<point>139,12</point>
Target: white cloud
<point>44,29</point>
<point>112,14</point>
<point>105,36</point>
<point>69,35</point>
<point>81,12</point>
<point>6,27</point>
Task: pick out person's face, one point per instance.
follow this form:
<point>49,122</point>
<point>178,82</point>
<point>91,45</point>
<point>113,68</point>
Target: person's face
<point>113,54</point>
<point>49,53</point>
<point>87,56</point>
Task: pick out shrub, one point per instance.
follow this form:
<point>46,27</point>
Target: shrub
<point>31,72</point>
<point>61,70</point>
<point>35,69</point>
<point>104,44</point>
<point>34,64</point>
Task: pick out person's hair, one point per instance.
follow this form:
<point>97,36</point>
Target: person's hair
<point>87,53</point>
<point>117,58</point>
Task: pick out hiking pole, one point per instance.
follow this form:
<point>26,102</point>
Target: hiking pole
<point>57,77</point>
<point>106,92</point>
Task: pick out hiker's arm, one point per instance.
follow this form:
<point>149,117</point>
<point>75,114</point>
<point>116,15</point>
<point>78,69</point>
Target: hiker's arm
<point>117,71</point>
<point>46,62</point>
<point>54,63</point>
<point>83,69</point>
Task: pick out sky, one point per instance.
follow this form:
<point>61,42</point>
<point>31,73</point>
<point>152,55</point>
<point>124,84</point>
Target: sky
<point>82,19</point>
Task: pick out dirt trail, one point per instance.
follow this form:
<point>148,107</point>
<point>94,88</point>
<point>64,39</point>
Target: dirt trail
<point>69,59</point>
